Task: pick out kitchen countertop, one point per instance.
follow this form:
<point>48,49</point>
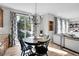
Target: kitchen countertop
<point>73,37</point>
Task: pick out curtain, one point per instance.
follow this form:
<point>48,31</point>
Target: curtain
<point>13,28</point>
<point>59,26</point>
<point>56,23</point>
<point>67,25</point>
<point>62,26</point>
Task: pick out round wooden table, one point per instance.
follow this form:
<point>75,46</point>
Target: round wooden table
<point>34,41</point>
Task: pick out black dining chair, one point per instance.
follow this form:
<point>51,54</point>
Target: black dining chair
<point>42,48</point>
<point>25,48</point>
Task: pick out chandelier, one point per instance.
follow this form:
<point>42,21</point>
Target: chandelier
<point>36,21</point>
<point>36,17</point>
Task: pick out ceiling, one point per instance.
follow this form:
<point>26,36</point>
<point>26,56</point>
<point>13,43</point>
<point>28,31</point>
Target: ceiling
<point>67,10</point>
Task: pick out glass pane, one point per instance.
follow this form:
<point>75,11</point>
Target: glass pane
<point>59,26</point>
<point>24,26</point>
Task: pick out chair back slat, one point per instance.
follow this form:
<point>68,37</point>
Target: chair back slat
<point>23,46</point>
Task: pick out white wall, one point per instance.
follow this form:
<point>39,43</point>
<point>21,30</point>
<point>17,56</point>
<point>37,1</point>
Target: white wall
<point>44,24</point>
<point>6,21</point>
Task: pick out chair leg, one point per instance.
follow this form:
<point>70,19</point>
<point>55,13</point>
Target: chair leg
<point>23,53</point>
<point>46,54</point>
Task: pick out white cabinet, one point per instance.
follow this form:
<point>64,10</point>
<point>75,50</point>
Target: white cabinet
<point>56,39</point>
<point>72,44</point>
<point>69,43</point>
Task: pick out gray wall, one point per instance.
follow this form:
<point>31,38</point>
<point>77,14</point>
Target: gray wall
<point>44,24</point>
<point>6,22</point>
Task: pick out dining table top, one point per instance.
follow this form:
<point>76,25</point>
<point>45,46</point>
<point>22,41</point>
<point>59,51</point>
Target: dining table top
<point>34,41</point>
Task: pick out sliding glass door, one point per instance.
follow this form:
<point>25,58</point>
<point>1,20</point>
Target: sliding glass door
<point>24,26</point>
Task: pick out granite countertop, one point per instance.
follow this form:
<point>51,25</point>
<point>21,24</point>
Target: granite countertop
<point>72,36</point>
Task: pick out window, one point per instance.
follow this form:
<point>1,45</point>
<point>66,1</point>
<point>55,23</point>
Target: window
<point>1,17</point>
<point>24,26</point>
<point>58,25</point>
<point>62,26</point>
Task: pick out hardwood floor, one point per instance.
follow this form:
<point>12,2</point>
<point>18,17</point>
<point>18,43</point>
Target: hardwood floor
<point>53,50</point>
